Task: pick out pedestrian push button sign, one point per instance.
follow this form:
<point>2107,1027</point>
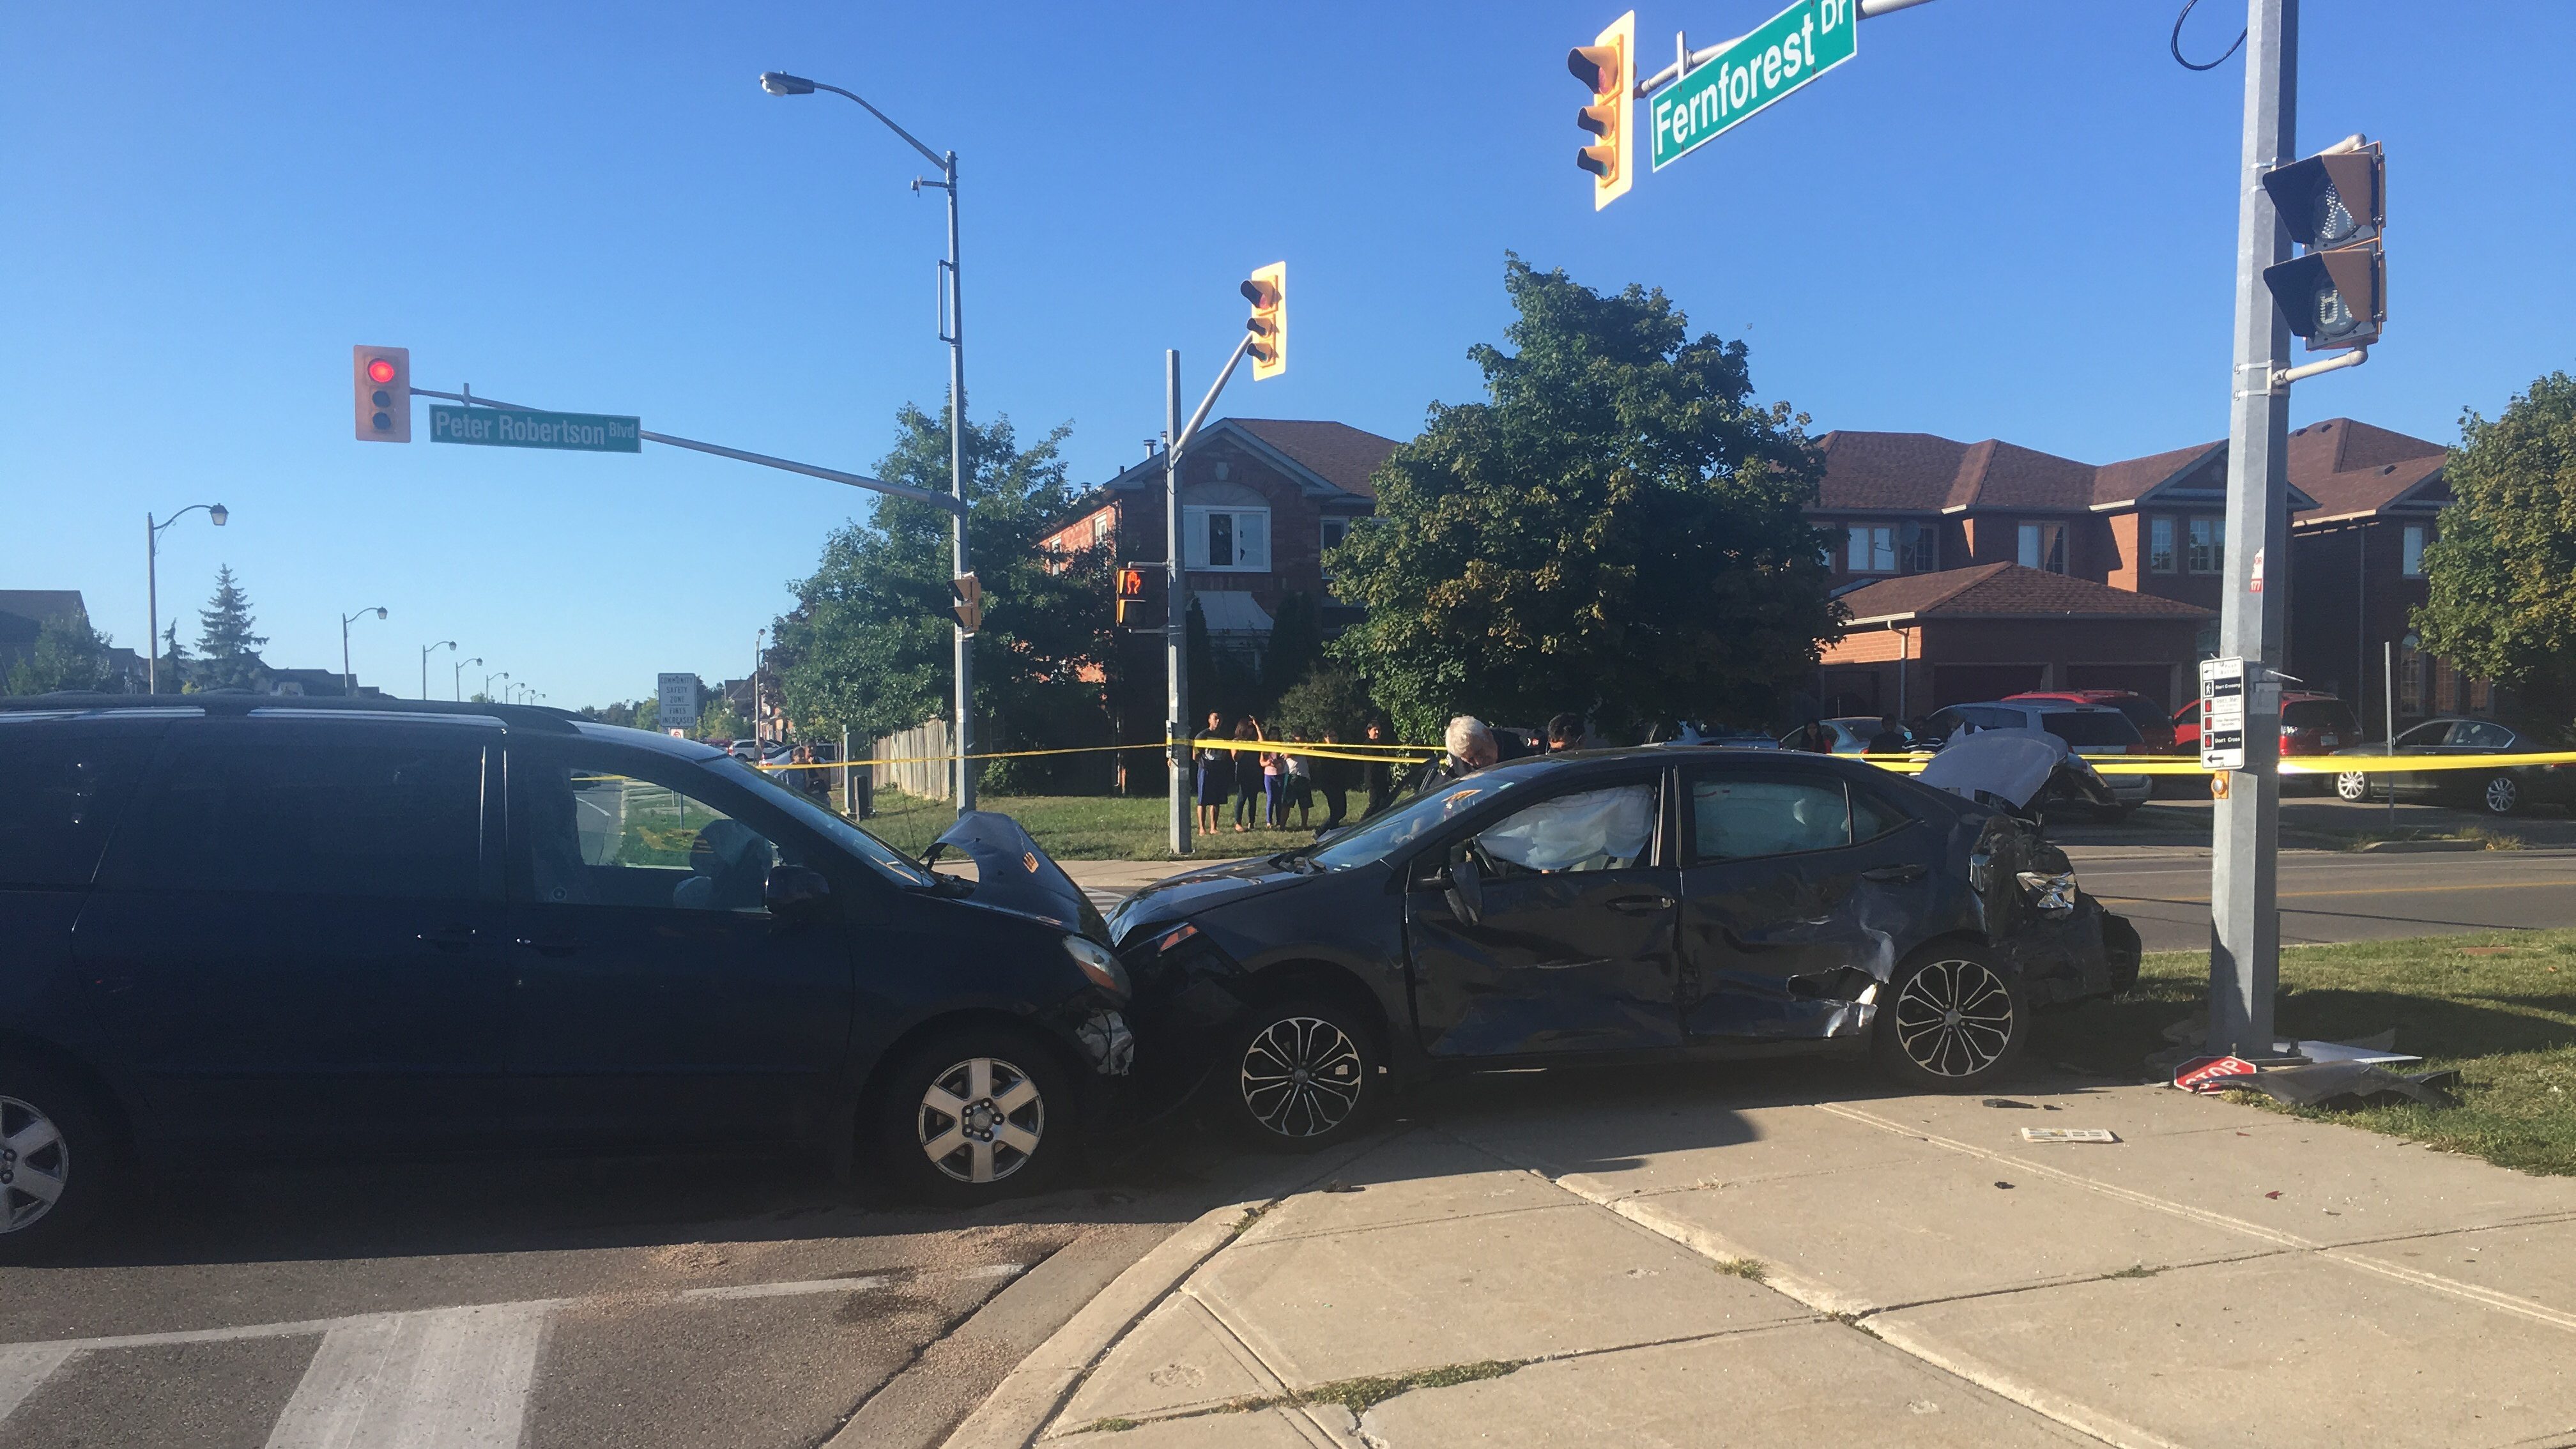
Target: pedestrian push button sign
<point>2222,714</point>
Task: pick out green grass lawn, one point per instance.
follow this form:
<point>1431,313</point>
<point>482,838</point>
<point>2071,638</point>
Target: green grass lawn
<point>1082,827</point>
<point>2500,1007</point>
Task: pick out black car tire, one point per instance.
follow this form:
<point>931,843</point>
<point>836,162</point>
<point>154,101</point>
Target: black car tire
<point>998,1093</point>
<point>1951,1020</point>
<point>53,1140</point>
<point>1301,1073</point>
<point>2500,795</point>
<point>2115,814</point>
<point>2352,787</point>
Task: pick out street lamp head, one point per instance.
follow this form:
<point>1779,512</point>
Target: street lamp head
<point>219,513</point>
<point>380,613</point>
<point>780,83</point>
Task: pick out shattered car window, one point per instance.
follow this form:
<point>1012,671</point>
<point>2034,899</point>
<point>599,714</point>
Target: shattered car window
<point>1738,819</point>
<point>1593,830</point>
<point>1400,827</point>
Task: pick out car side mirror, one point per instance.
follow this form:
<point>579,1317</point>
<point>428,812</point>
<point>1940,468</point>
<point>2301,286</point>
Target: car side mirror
<point>1466,891</point>
<point>794,890</point>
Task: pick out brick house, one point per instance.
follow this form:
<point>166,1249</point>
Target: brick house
<point>2357,570</point>
<point>1921,641</point>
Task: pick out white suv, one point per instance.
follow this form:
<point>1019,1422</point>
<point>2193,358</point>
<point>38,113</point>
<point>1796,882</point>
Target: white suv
<point>2090,730</point>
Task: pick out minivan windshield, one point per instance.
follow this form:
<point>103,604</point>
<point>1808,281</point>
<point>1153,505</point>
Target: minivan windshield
<point>2091,727</point>
<point>841,832</point>
<point>1400,827</point>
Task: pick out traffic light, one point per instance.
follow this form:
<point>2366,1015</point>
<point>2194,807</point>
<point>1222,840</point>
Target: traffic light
<point>1267,291</point>
<point>1609,67</point>
<point>1138,587</point>
<point>2334,204</point>
<point>969,608</point>
<point>382,381</point>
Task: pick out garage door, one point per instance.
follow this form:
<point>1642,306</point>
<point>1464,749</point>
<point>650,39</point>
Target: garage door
<point>1972,683</point>
<point>2155,681</point>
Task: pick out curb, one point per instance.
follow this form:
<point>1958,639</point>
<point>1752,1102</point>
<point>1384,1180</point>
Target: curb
<point>2416,847</point>
<point>1018,1409</point>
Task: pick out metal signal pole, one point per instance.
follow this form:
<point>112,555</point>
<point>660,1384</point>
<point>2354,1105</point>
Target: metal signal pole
<point>1176,605</point>
<point>2245,922</point>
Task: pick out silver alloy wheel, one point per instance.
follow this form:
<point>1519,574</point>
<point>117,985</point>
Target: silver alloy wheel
<point>2352,786</point>
<point>1302,1076</point>
<point>980,1120</point>
<point>34,1162</point>
<point>1954,1018</point>
<point>2502,795</point>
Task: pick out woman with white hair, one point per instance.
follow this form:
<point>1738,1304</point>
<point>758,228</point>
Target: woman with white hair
<point>1470,748</point>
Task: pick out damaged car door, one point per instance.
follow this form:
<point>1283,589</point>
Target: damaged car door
<point>1800,893</point>
<point>1550,929</point>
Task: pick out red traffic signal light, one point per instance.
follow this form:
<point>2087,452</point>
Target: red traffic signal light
<point>381,377</point>
<point>1133,581</point>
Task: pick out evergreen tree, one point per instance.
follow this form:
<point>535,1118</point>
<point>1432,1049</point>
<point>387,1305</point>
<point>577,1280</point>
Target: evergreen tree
<point>1296,642</point>
<point>174,660</point>
<point>225,639</point>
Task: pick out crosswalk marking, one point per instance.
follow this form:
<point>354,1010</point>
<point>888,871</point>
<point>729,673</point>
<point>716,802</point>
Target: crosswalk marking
<point>444,1378</point>
<point>24,1366</point>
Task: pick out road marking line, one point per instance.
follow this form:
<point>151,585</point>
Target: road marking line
<point>781,1290</point>
<point>442,1378</point>
<point>2510,885</point>
<point>25,1367</point>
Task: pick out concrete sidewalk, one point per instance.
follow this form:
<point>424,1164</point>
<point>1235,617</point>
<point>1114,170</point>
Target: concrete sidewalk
<point>1661,1258</point>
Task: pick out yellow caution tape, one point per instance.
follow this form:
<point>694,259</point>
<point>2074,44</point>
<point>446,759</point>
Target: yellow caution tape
<point>2290,764</point>
<point>1389,754</point>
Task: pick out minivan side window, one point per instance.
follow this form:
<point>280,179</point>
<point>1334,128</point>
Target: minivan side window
<point>388,817</point>
<point>604,827</point>
<point>58,799</point>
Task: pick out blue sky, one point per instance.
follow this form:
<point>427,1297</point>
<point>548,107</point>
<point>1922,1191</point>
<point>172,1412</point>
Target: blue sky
<point>2008,218</point>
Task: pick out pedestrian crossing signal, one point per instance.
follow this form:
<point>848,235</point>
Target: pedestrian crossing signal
<point>1131,595</point>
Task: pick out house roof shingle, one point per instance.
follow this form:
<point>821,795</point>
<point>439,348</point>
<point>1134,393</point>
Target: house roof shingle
<point>2351,470</point>
<point>1338,453</point>
<point>2009,591</point>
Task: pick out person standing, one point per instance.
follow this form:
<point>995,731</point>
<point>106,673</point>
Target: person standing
<point>1274,781</point>
<point>1215,773</point>
<point>1565,732</point>
<point>1379,774</point>
<point>1891,738</point>
<point>1296,782</point>
<point>1247,774</point>
<point>1333,778</point>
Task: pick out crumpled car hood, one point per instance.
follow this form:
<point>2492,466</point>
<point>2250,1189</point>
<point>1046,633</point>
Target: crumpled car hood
<point>2011,767</point>
<point>1195,891</point>
<point>1012,874</point>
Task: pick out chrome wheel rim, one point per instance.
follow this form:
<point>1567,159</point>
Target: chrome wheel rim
<point>1302,1076</point>
<point>2352,784</point>
<point>34,1163</point>
<point>1954,1018</point>
<point>2502,792</point>
<point>981,1120</point>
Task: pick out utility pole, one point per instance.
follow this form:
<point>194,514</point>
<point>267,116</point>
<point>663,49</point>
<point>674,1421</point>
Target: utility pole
<point>956,340</point>
<point>2245,923</point>
<point>1176,608</point>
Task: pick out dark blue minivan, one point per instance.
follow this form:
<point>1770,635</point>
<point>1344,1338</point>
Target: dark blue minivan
<point>240,929</point>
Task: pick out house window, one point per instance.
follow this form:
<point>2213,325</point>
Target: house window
<point>2410,681</point>
<point>2160,545</point>
<point>1335,530</point>
<point>1873,548</point>
<point>2208,545</point>
<point>1226,540</point>
<point>2411,558</point>
<point>1919,548</point>
<point>2481,697</point>
<point>2043,547</point>
<point>2446,687</point>
<point>1100,529</point>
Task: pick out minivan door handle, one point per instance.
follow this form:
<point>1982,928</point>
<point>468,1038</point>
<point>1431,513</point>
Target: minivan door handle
<point>1893,872</point>
<point>1639,905</point>
<point>550,945</point>
<point>447,938</point>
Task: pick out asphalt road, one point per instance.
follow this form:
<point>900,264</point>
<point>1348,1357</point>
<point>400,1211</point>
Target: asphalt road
<point>639,1303</point>
<point>2338,896</point>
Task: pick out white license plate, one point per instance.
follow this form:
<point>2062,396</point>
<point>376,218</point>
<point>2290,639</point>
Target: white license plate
<point>2328,741</point>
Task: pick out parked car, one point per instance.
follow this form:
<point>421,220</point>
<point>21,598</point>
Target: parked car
<point>235,930</point>
<point>1851,734</point>
<point>2500,791</point>
<point>2311,724</point>
<point>2097,732</point>
<point>1642,903</point>
<point>1691,732</point>
<point>2145,713</point>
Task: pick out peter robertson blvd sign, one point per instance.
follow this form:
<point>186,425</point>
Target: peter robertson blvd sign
<point>513,428</point>
<point>1780,55</point>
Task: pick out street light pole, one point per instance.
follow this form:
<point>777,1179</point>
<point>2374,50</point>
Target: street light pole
<point>152,585</point>
<point>349,681</point>
<point>425,650</point>
<point>756,636</point>
<point>780,83</point>
<point>2245,923</point>
<point>456,676</point>
<point>486,691</point>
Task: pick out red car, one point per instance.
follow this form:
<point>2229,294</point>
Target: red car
<point>2311,724</point>
<point>2143,712</point>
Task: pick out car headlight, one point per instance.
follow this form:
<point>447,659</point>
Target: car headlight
<point>2048,894</point>
<point>1096,962</point>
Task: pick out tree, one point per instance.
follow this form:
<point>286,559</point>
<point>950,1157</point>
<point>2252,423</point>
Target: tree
<point>1296,643</point>
<point>2500,580</point>
<point>719,720</point>
<point>224,637</point>
<point>1617,531</point>
<point>174,660</point>
<point>1328,698</point>
<point>69,655</point>
<point>869,644</point>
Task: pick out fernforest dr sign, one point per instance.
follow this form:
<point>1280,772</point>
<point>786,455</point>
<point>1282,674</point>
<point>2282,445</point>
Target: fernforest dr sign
<point>514,428</point>
<point>1780,55</point>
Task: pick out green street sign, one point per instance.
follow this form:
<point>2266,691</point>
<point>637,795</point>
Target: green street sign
<point>1781,54</point>
<point>512,428</point>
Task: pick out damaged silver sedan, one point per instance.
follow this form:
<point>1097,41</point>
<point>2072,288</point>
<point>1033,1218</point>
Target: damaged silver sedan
<point>1642,903</point>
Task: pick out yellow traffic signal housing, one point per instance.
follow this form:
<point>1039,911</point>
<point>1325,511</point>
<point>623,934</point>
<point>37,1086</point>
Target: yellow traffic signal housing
<point>1609,67</point>
<point>381,379</point>
<point>969,608</point>
<point>1267,291</point>
<point>1131,593</point>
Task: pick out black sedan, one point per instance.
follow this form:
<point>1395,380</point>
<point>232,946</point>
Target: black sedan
<point>2499,791</point>
<point>1651,902</point>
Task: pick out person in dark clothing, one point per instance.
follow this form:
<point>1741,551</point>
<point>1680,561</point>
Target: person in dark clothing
<point>1332,781</point>
<point>1891,738</point>
<point>1565,732</point>
<point>1250,793</point>
<point>1813,738</point>
<point>1215,775</point>
<point>1380,774</point>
